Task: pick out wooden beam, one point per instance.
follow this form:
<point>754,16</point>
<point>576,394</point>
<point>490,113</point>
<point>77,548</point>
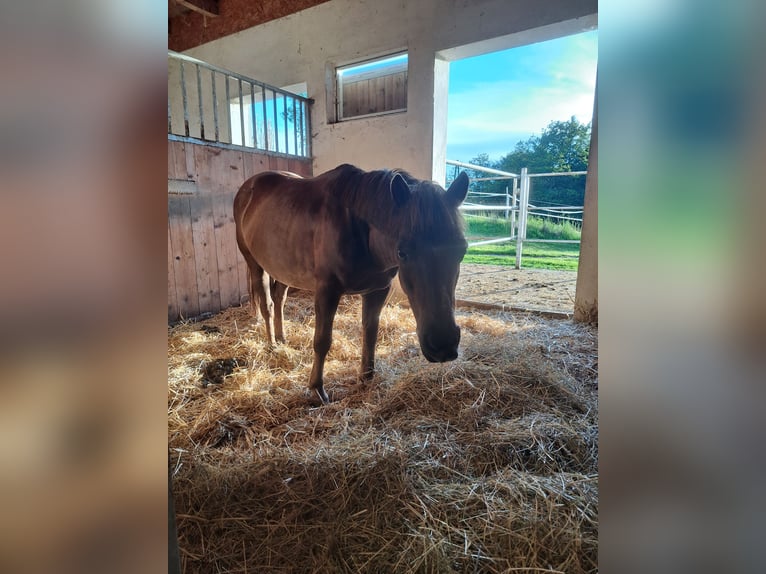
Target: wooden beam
<point>205,7</point>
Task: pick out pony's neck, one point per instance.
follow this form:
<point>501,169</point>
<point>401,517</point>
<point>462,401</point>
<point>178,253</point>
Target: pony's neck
<point>383,248</point>
<point>367,195</point>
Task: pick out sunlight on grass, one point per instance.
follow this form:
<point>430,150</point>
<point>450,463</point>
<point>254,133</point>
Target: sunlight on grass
<point>559,256</point>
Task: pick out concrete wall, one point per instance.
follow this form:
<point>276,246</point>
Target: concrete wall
<point>307,45</point>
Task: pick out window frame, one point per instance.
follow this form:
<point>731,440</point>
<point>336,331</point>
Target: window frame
<point>338,86</point>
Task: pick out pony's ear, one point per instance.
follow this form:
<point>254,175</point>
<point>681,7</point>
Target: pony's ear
<point>400,191</point>
<point>458,189</point>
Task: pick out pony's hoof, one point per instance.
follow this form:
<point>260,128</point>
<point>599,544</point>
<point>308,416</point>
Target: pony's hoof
<point>322,396</point>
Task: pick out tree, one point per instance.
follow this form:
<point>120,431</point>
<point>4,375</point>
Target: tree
<point>563,146</point>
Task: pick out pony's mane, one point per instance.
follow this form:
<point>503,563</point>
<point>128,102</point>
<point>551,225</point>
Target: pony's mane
<point>368,195</point>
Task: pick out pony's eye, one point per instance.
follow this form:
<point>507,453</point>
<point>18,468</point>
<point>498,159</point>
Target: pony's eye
<point>402,255</point>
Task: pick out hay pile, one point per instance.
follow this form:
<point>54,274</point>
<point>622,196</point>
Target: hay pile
<point>485,464</point>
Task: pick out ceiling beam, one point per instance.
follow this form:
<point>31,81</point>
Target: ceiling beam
<point>205,7</point>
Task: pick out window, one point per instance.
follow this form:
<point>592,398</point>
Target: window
<point>372,87</point>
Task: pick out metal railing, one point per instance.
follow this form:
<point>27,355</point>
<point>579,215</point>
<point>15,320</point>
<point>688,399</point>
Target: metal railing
<point>517,207</point>
<point>211,104</point>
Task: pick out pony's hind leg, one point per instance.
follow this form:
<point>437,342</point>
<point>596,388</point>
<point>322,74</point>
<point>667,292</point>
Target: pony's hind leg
<point>259,283</point>
<point>279,296</point>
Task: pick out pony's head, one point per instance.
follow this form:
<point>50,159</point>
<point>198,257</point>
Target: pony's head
<point>430,245</point>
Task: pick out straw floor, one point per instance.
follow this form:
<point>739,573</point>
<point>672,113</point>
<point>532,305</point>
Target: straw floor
<point>485,464</point>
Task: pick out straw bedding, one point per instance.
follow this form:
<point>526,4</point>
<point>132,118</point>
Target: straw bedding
<point>486,464</point>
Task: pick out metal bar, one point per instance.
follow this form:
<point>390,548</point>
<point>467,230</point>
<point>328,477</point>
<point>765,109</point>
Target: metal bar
<point>183,97</point>
<point>185,58</point>
<point>484,208</point>
<point>265,120</point>
<point>170,120</point>
<point>562,209</point>
<point>556,173</point>
<point>301,131</point>
<point>201,111</point>
<point>276,125</point>
<point>480,168</point>
<point>306,123</point>
<point>215,104</point>
<point>556,216</point>
<point>522,231</point>
<point>551,241</point>
<point>224,145</point>
<point>514,206</point>
<point>507,202</point>
<point>295,127</point>
<point>284,112</point>
<point>485,193</point>
<point>241,115</point>
<point>228,111</point>
<point>252,113</point>
<point>499,177</point>
<point>490,241</point>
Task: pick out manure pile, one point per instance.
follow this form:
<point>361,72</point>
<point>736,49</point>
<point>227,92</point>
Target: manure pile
<point>486,464</point>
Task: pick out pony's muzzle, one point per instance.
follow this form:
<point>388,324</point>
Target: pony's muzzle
<point>440,345</point>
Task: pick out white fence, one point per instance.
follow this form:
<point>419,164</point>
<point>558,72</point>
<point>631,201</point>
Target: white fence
<point>517,208</point>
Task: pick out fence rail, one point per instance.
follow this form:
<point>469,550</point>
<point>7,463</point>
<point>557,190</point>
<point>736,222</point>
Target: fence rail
<point>207,103</point>
<point>517,207</point>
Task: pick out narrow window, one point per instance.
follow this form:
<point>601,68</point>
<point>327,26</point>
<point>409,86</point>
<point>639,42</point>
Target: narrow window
<point>372,87</point>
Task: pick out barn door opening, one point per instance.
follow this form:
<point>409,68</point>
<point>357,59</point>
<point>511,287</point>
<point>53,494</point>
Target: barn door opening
<point>516,113</point>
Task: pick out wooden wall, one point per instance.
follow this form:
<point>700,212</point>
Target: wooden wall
<point>375,95</point>
<point>206,272</point>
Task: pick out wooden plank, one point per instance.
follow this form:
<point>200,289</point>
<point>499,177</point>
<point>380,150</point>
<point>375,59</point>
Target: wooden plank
<point>172,300</point>
<point>225,239</point>
<point>221,172</point>
<point>364,98</point>
<point>350,100</point>
<point>283,164</point>
<point>176,160</point>
<point>204,246</point>
<point>298,166</point>
<point>273,162</point>
<point>389,93</point>
<point>400,92</point>
<point>204,7</point>
<point>254,163</point>
<point>380,94</point>
<point>184,267</point>
<point>192,172</point>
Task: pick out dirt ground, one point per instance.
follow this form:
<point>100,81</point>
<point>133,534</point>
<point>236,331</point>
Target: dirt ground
<point>533,289</point>
<point>506,288</point>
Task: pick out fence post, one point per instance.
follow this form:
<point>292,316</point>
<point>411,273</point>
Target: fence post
<point>521,234</point>
<point>514,205</point>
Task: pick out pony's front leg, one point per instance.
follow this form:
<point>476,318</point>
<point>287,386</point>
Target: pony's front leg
<point>372,304</point>
<point>326,302</point>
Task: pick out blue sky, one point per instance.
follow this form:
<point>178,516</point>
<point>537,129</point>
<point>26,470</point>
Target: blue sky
<point>498,99</point>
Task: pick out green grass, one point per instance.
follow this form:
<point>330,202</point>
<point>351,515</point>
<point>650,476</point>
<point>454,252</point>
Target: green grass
<point>560,256</point>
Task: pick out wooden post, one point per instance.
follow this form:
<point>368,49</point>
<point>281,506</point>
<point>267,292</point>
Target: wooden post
<point>586,291</point>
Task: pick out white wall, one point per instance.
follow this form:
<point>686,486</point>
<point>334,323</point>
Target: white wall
<point>304,46</point>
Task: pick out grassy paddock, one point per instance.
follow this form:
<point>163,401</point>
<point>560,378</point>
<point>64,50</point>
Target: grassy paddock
<point>561,256</point>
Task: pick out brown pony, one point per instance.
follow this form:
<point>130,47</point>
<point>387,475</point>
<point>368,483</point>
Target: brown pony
<point>350,231</point>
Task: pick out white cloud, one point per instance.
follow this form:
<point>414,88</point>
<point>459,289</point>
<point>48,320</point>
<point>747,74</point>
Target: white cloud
<point>490,111</point>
